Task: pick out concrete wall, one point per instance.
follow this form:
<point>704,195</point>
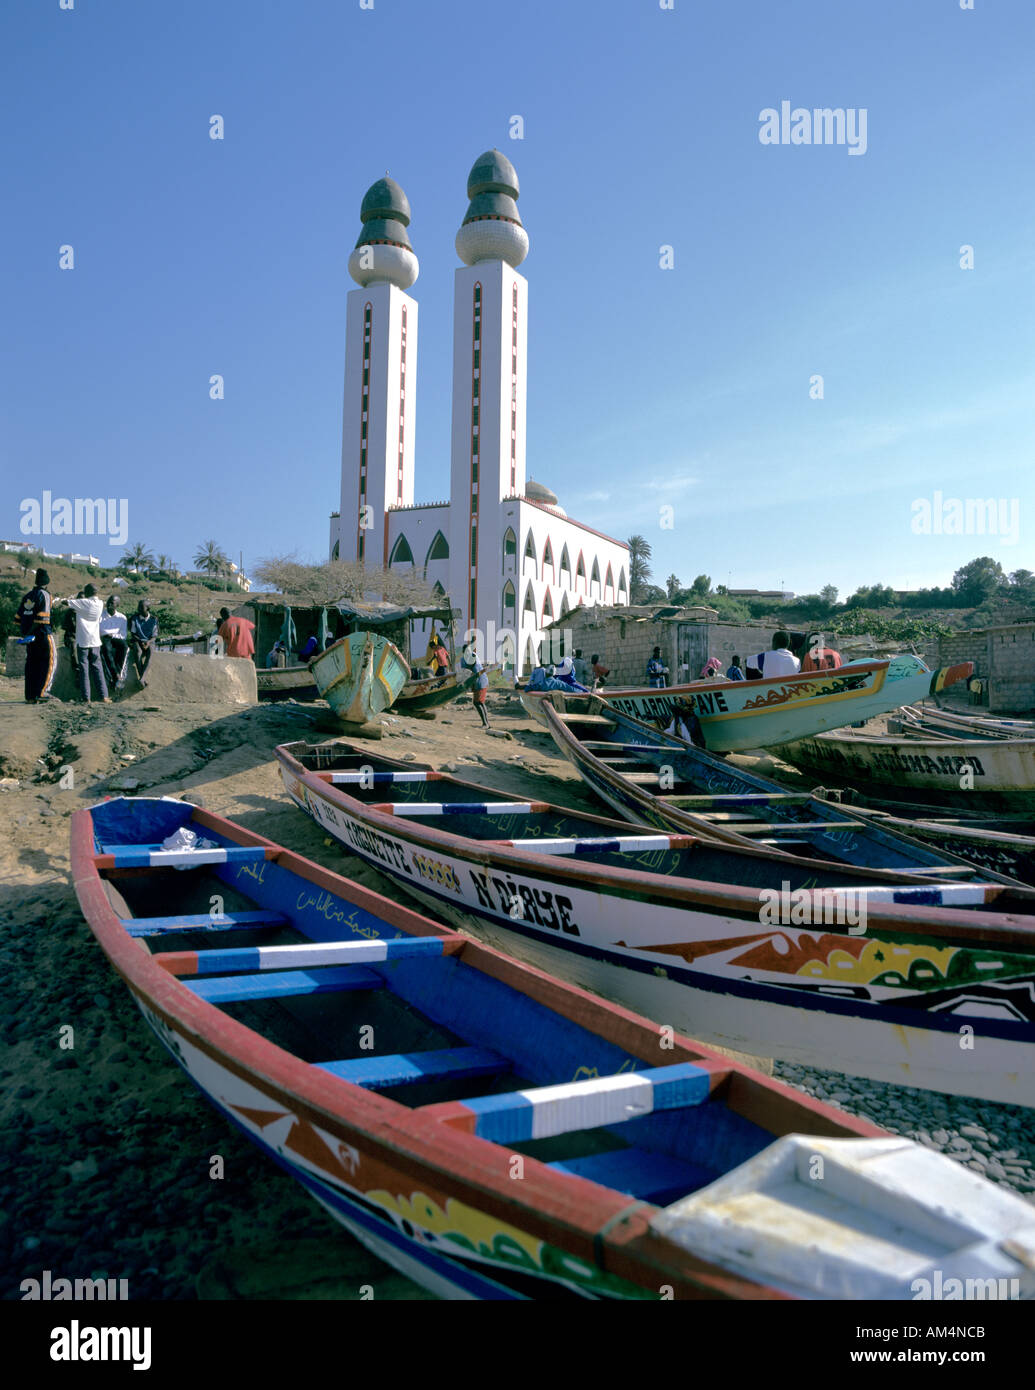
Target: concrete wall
<point>175,679</point>
<point>14,658</point>
<point>624,644</point>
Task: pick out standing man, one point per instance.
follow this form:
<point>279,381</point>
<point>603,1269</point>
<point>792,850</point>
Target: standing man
<point>480,684</point>
<point>114,644</point>
<point>68,637</point>
<point>88,610</point>
<point>143,633</point>
<point>236,634</point>
<point>34,613</point>
<point>580,668</point>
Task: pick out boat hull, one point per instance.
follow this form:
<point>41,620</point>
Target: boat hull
<point>695,964</point>
<point>430,692</point>
<point>360,676</point>
<point>287,683</point>
<point>738,715</point>
<point>973,773</point>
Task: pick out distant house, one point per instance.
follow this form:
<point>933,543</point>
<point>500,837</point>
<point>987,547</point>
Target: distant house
<point>775,595</point>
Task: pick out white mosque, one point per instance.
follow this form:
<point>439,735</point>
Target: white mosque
<point>502,548</point>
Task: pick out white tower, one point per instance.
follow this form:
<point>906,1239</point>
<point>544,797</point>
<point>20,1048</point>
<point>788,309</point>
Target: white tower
<point>490,342</point>
<point>380,378</point>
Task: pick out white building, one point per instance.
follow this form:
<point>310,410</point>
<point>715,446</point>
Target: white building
<point>502,547</point>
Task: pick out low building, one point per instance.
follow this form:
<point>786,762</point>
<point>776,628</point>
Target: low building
<point>1004,662</point>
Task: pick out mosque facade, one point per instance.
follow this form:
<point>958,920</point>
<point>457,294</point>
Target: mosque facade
<point>502,548</point>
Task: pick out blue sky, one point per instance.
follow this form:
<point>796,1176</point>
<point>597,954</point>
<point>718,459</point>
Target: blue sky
<point>686,387</point>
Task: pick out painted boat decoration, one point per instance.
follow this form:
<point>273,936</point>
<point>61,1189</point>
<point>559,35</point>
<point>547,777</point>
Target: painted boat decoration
<point>286,683</point>
<point>635,1145</point>
<point>657,779</point>
<point>360,676</point>
<point>736,715</point>
<point>791,958</point>
<point>971,773</point>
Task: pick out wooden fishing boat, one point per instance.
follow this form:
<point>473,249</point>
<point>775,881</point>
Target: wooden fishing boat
<point>657,779</point>
<point>735,715</point>
<point>286,683</point>
<point>430,692</point>
<point>1003,845</point>
<point>360,676</point>
<point>815,963</point>
<point>624,762</point>
<point>406,1075</point>
<point>925,719</point>
<point>973,773</point>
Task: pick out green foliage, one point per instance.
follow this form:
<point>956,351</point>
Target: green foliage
<point>861,622</point>
<point>978,580</point>
<point>10,593</point>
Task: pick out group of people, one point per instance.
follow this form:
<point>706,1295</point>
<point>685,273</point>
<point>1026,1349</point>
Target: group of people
<point>779,660</point>
<point>100,640</point>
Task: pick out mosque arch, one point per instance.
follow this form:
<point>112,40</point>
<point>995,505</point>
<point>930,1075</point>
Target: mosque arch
<point>565,567</point>
<point>529,605</point>
<point>580,571</point>
<point>401,552</point>
<point>509,602</point>
<point>335,553</point>
<point>530,552</point>
<point>548,560</point>
<point>438,549</point>
<point>609,583</point>
<point>623,590</point>
<point>565,605</point>
<point>547,608</point>
<point>509,551</point>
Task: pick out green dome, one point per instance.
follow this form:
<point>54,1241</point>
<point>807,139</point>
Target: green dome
<point>493,173</point>
<point>383,229</point>
<point>385,200</point>
<point>492,205</point>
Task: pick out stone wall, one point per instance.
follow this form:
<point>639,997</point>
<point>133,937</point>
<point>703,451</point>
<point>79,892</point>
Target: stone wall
<point>14,658</point>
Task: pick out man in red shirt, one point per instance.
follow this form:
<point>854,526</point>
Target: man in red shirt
<point>236,634</point>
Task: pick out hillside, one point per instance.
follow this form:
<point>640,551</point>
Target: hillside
<point>183,605</point>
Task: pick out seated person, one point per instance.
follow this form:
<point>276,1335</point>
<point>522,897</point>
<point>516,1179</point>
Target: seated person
<point>820,658</point>
<point>778,661</point>
<point>734,671</point>
<point>308,651</point>
<point>277,658</point>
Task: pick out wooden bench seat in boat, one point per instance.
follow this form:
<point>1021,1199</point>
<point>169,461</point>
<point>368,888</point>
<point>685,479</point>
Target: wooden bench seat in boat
<point>405,1068</point>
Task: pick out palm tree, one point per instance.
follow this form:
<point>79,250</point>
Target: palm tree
<point>639,570</point>
<point>165,563</point>
<point>137,557</point>
<point>209,557</point>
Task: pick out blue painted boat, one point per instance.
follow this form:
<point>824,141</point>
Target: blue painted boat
<point>491,1132</point>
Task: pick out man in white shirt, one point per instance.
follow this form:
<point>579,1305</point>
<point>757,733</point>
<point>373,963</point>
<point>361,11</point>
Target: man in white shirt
<point>114,629</point>
<point>778,661</point>
<point>88,611</point>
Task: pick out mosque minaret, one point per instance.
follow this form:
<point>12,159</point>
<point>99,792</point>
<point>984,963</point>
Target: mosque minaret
<point>502,547</point>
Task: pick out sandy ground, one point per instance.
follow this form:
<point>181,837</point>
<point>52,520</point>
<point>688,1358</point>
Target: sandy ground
<point>105,1150</point>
